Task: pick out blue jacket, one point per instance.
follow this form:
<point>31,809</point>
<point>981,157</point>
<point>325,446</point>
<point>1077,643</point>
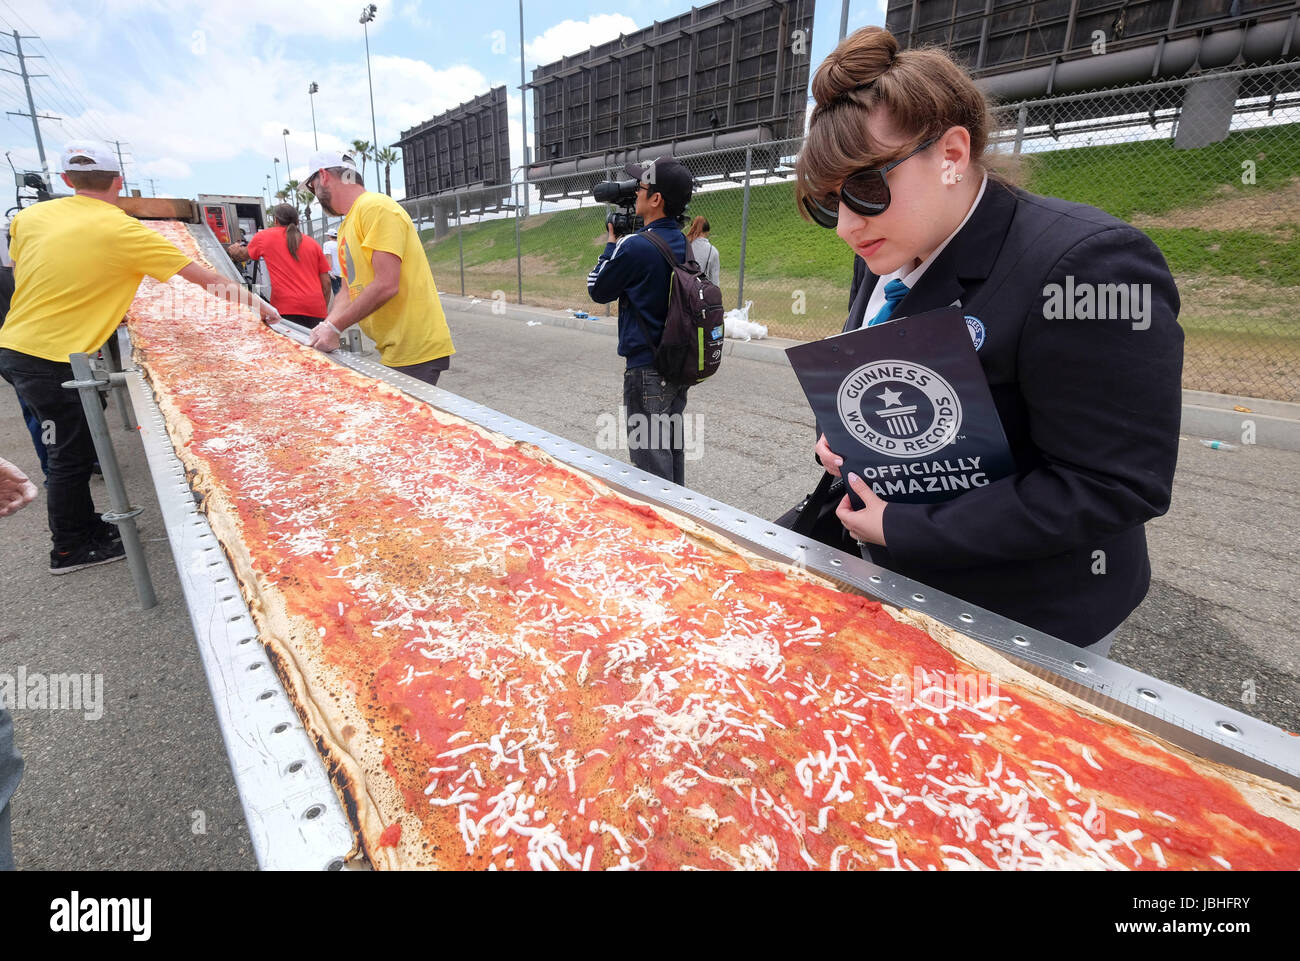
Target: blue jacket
<point>635,272</point>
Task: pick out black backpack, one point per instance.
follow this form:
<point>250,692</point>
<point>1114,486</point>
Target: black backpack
<point>691,347</point>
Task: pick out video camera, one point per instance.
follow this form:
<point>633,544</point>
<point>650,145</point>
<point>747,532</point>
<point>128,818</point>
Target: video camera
<point>622,194</point>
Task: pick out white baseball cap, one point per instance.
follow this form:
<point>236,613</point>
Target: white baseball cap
<point>100,155</point>
<point>332,232</point>
<point>322,159</point>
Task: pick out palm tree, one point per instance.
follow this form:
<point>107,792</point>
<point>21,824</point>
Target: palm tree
<point>292,190</point>
<point>305,197</point>
<point>388,156</point>
<point>362,149</point>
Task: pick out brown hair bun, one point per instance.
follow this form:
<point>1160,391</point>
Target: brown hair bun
<point>851,66</point>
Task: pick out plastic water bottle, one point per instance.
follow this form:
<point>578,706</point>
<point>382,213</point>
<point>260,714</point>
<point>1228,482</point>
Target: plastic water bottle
<point>1219,445</point>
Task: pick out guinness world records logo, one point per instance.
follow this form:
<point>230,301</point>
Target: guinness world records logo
<point>899,409</point>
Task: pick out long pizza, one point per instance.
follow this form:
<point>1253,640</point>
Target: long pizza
<point>507,664</point>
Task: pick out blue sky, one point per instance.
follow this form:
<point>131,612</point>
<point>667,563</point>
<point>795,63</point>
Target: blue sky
<point>200,92</point>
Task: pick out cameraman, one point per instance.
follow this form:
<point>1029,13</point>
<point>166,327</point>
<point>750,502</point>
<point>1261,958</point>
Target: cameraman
<point>634,271</point>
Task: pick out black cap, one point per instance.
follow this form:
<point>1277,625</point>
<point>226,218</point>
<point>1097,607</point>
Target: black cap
<point>669,177</point>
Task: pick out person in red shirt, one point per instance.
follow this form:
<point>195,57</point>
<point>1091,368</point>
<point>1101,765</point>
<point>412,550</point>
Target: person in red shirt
<point>300,272</point>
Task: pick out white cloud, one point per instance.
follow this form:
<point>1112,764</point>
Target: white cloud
<point>328,19</point>
<point>223,106</point>
<point>213,115</point>
<point>574,36</point>
<point>413,14</point>
<point>48,23</point>
<point>165,167</point>
<point>425,91</point>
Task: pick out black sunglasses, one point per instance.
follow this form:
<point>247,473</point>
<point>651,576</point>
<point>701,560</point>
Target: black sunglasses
<point>865,192</point>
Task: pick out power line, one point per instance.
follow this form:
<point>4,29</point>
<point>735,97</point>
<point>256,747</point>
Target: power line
<point>31,103</point>
<point>81,127</point>
<point>76,127</point>
<point>66,87</point>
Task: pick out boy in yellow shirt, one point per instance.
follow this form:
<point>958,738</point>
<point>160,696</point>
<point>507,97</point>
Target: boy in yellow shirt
<point>390,287</point>
<point>77,263</point>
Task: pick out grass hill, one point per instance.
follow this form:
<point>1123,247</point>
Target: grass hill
<point>1234,247</point>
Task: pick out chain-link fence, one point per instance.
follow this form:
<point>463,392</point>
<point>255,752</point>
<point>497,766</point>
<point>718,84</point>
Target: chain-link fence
<point>1208,166</point>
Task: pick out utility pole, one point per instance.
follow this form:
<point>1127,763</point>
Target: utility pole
<point>522,209</point>
<point>122,164</point>
<point>523,90</point>
<point>31,104</point>
<point>153,190</point>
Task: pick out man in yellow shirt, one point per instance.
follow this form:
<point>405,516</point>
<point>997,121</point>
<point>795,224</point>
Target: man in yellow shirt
<point>77,263</point>
<point>390,287</point>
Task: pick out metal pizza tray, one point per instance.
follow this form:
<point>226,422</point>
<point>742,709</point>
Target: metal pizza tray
<point>294,817</point>
<point>1193,722</point>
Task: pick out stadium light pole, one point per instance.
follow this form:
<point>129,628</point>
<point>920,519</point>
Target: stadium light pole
<point>844,18</point>
<point>368,16</point>
<point>276,168</point>
<point>523,91</point>
<point>311,98</point>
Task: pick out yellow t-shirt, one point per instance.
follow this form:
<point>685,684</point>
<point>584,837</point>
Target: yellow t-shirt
<point>77,264</point>
<point>411,328</point>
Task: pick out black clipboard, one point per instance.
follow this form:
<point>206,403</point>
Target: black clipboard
<point>907,405</point>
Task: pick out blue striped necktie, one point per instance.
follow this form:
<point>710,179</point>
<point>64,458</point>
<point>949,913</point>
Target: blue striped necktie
<point>895,291</point>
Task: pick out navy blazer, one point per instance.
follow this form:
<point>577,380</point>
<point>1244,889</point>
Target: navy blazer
<point>1090,405</point>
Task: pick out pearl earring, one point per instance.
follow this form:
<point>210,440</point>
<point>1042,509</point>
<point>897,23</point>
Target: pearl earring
<point>959,178</point>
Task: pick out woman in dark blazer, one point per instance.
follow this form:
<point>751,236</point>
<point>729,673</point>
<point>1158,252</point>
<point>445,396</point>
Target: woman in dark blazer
<point>1074,316</point>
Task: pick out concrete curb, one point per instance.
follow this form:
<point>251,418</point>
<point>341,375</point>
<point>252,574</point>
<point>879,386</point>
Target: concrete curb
<point>1276,423</point>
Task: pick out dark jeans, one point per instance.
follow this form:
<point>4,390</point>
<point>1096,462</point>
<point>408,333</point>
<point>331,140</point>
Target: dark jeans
<point>72,516</point>
<point>429,371</point>
<point>336,283</point>
<point>655,431</point>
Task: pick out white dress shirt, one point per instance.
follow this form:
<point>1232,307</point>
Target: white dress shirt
<point>877,298</point>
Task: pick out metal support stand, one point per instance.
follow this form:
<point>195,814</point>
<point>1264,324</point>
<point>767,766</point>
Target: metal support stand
<point>744,230</point>
<point>113,354</point>
<point>89,383</point>
<point>519,255</point>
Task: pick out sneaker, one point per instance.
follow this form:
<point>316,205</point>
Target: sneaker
<point>65,562</point>
<point>106,534</point>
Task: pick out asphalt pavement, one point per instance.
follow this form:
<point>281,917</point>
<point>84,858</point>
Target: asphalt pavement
<point>147,785</point>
